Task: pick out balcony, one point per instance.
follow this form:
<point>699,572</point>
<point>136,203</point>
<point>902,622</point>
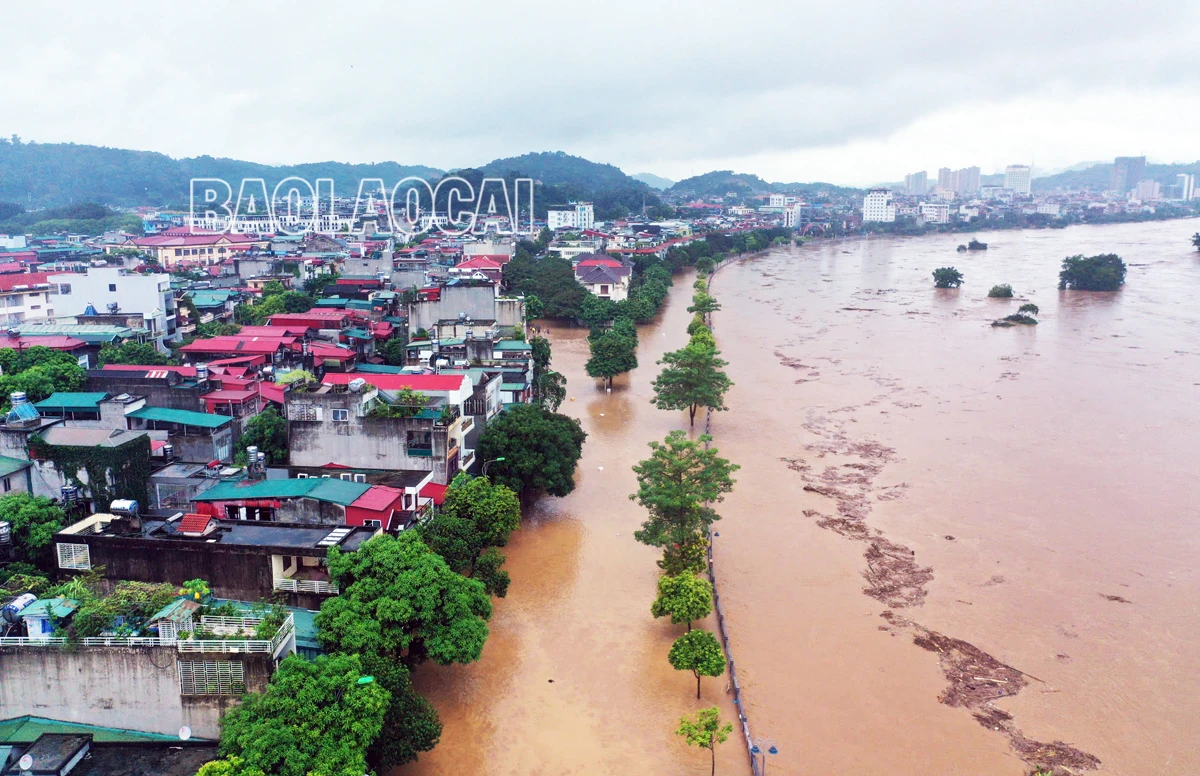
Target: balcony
<point>306,586</point>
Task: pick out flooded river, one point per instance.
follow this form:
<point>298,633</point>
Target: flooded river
<point>952,548</point>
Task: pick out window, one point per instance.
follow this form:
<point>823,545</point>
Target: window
<point>178,251</point>
<point>7,484</point>
<point>360,478</point>
<point>341,415</point>
<point>347,477</point>
<point>74,556</point>
<point>211,677</point>
<point>302,476</point>
<point>112,287</point>
<point>64,289</point>
<point>372,524</point>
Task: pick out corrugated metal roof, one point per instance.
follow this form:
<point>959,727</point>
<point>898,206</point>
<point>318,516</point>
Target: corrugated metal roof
<point>512,345</point>
<point>182,417</point>
<point>321,489</point>
<point>26,729</point>
<point>63,400</point>
<point>11,465</point>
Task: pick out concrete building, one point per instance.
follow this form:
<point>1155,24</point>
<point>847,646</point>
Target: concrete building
<point>878,206</point>
<point>360,429</point>
<point>104,292</point>
<point>604,277</point>
<point>578,215</point>
<point>1018,179</point>
<point>1127,171</point>
<point>916,183</point>
<point>1185,186</point>
<point>25,297</point>
<point>935,212</point>
<point>1147,191</point>
<point>463,309</point>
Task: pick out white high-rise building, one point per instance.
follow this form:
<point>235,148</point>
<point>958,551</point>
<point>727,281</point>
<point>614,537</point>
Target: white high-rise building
<point>916,183</point>
<point>1147,191</point>
<point>578,215</point>
<point>1187,185</point>
<point>878,206</point>
<point>1018,178</point>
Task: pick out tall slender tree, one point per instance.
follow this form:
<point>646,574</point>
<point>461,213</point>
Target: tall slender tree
<point>692,378</point>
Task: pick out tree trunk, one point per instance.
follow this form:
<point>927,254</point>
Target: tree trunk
<point>697,685</point>
<point>713,751</point>
<point>689,626</point>
<point>692,416</point>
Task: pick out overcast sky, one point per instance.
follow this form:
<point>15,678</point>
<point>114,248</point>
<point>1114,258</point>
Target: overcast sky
<point>853,92</point>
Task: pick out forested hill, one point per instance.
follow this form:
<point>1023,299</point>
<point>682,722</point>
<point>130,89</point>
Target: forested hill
<point>57,174</point>
<point>1098,177</point>
<point>721,182</point>
<point>565,178</point>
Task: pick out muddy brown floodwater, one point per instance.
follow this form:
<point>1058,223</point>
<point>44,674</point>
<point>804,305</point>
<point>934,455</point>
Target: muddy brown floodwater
<point>952,549</point>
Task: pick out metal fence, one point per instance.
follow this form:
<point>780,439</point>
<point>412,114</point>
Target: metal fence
<point>738,701</point>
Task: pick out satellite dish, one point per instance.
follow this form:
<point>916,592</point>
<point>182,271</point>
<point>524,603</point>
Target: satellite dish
<point>185,733</point>
<point>26,762</point>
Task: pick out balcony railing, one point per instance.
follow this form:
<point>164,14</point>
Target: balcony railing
<point>271,646</point>
<point>421,452</point>
<point>306,586</point>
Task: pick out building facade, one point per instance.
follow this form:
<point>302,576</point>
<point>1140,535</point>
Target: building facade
<point>878,206</point>
<point>1018,178</point>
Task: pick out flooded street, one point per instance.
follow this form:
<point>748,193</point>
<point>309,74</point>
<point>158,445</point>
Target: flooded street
<point>574,678</point>
<point>928,507</point>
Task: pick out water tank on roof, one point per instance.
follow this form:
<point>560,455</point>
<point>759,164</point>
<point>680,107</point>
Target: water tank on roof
<point>12,610</point>
<point>5,533</point>
<point>123,506</point>
<point>357,385</point>
<point>69,494</point>
<point>201,371</point>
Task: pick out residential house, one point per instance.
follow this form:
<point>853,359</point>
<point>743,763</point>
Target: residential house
<point>111,291</point>
<point>25,297</point>
<point>604,277</point>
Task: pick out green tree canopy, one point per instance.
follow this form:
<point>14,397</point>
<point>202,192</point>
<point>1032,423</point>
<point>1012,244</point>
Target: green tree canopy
<point>395,352</point>
<point>697,651</point>
<point>1002,291</point>
<point>132,353</point>
<point>533,307</point>
<point>705,732</point>
<point>476,516</point>
<point>703,304</point>
<point>399,599</point>
<point>684,598</point>
<point>39,372</point>
<point>597,311</point>
<point>540,449</point>
<point>315,717</point>
<point>692,378</point>
<point>267,431</point>
<point>1105,272</point>
<point>613,351</point>
<point>551,280</point>
<point>673,485</point>
<point>947,277</point>
<point>410,724</point>
<point>34,521</point>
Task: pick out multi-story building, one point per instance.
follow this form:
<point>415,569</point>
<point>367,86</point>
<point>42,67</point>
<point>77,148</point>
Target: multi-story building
<point>878,207</point>
<point>104,292</point>
<point>1018,178</point>
<point>578,215</point>
<point>936,212</point>
<point>1127,171</point>
<point>1185,186</point>
<point>604,277</point>
<point>172,249</point>
<point>1148,190</point>
<point>25,297</point>
<point>961,181</point>
<point>916,183</point>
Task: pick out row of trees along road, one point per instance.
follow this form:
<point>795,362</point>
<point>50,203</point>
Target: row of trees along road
<point>677,486</point>
<point>423,595</point>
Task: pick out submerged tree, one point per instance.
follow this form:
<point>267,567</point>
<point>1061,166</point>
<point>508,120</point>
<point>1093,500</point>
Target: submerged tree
<point>698,651</point>
<point>675,484</point>
<point>684,598</point>
<point>1105,272</point>
<point>947,277</point>
<point>705,732</point>
<point>692,378</point>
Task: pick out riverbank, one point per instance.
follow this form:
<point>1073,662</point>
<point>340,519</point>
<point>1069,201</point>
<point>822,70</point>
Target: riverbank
<point>904,450</point>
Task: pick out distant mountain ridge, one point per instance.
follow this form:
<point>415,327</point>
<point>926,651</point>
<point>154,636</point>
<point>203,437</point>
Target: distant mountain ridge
<point>56,174</point>
<point>653,181</point>
<point>1098,177</point>
<point>556,168</point>
<point>718,183</point>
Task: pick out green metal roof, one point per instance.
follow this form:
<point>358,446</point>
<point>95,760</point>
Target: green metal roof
<point>50,607</point>
<point>11,465</point>
<point>512,386</point>
<point>357,333</point>
<point>182,417</point>
<point>382,369</point>
<point>63,400</point>
<point>516,345</point>
<point>359,304</point>
<point>335,491</point>
<point>333,301</point>
<point>26,729</point>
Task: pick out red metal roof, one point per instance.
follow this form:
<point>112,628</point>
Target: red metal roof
<point>30,279</point>
<point>434,491</point>
<point>480,262</point>
<point>271,392</point>
<point>229,395</point>
<point>331,351</point>
<point>182,371</point>
<point>378,498</point>
<point>238,344</point>
<point>396,382</point>
<point>273,331</point>
<point>55,341</point>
